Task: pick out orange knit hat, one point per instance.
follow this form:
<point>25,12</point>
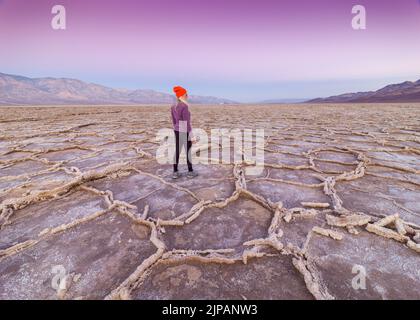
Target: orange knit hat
<point>179,91</point>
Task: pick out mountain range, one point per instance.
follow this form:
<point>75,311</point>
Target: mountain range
<point>402,92</point>
<point>19,90</point>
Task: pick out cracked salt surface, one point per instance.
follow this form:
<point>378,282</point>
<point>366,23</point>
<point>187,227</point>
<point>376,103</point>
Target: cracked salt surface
<point>80,187</point>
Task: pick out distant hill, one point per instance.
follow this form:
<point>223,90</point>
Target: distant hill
<point>403,92</point>
<point>18,90</point>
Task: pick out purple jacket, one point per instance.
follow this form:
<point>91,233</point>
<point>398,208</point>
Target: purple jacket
<point>181,117</point>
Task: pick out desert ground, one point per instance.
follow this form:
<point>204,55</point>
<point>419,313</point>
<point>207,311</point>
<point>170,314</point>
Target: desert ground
<point>335,213</point>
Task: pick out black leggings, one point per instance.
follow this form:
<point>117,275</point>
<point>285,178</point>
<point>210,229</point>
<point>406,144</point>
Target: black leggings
<point>182,140</point>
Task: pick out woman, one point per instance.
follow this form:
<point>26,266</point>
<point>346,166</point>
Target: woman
<point>181,119</point>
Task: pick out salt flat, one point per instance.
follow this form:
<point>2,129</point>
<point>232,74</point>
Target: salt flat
<point>80,188</point>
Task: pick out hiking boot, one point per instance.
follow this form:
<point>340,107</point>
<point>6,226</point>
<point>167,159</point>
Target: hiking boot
<point>175,175</point>
<point>192,174</point>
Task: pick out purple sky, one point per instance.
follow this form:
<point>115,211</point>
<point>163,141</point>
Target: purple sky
<point>240,49</point>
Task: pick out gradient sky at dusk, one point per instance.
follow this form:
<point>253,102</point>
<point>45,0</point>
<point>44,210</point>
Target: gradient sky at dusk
<point>244,50</point>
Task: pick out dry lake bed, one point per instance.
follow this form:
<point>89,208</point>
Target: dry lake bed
<point>87,212</point>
